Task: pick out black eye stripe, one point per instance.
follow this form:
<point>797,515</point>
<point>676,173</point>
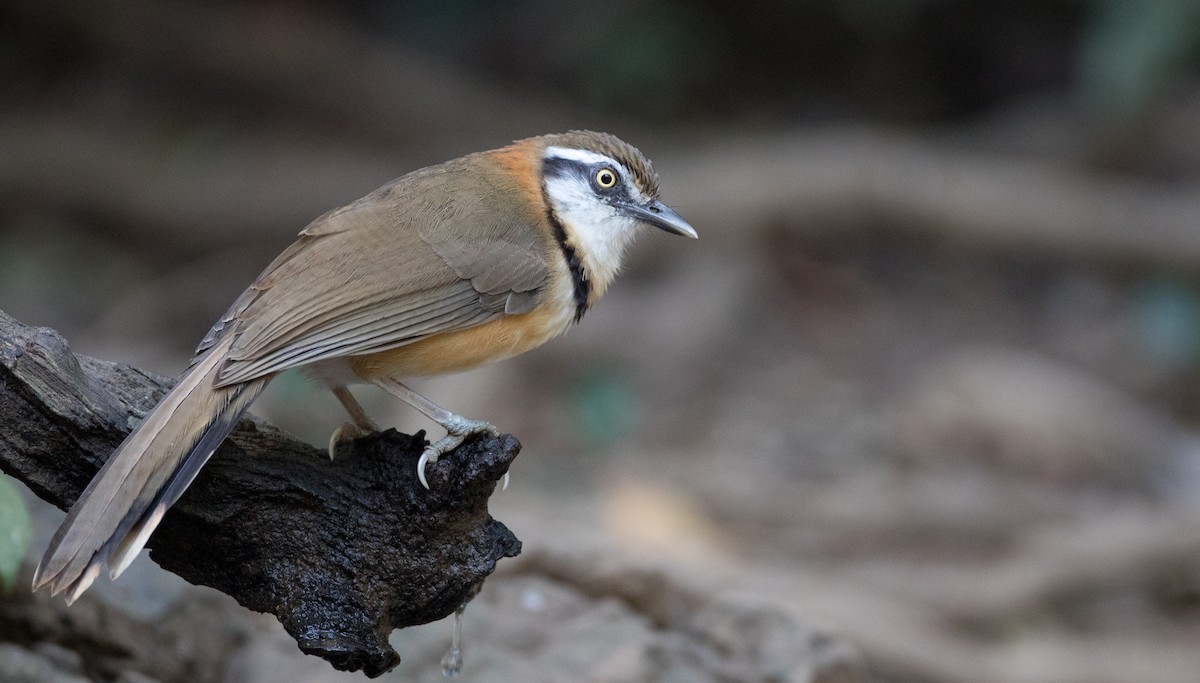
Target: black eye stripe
<point>560,167</point>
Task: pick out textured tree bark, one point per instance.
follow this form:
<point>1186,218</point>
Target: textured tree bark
<point>340,552</point>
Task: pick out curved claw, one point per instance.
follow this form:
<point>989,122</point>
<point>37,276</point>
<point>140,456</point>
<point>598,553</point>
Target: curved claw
<point>436,450</point>
<point>457,432</point>
<point>349,431</point>
<point>422,462</point>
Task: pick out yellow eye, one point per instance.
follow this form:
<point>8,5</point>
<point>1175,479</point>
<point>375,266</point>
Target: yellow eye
<point>606,178</point>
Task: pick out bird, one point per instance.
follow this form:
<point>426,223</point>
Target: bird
<point>450,267</point>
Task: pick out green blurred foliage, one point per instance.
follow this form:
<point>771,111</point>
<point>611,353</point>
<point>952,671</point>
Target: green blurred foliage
<point>604,405</point>
<point>1133,51</point>
<point>15,531</point>
<point>1168,311</point>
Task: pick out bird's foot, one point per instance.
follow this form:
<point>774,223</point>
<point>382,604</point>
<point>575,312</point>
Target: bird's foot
<point>458,429</point>
<point>349,431</point>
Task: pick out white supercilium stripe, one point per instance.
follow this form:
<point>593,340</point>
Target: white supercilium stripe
<point>580,155</point>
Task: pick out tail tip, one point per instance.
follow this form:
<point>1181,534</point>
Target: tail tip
<point>38,580</point>
<point>82,583</point>
<point>57,583</point>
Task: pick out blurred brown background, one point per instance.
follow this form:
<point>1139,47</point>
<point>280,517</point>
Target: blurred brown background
<point>920,404</point>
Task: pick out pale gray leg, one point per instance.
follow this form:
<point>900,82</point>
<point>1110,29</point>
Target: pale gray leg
<point>457,427</point>
<point>359,425</point>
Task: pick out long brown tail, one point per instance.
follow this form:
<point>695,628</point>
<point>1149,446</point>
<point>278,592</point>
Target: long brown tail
<point>115,515</point>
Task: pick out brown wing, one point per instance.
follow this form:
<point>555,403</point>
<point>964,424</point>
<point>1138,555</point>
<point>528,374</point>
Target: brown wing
<point>437,250</point>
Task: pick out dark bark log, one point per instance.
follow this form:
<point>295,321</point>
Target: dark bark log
<point>341,552</point>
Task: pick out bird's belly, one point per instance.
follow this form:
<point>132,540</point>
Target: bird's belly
<point>451,352</point>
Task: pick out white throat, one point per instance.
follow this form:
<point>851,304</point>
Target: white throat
<point>598,232</point>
